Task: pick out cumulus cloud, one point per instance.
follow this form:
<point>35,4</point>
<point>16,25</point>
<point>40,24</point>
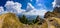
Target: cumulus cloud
<point>56,3</point>
<point>14,7</point>
<point>29,7</point>
<point>1,9</point>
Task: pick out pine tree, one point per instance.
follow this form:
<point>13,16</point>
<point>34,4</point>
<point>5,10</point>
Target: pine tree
<point>24,19</point>
<point>36,20</point>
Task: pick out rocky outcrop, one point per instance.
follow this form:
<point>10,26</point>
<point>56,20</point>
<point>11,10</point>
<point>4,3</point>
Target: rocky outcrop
<point>56,10</point>
<point>54,13</point>
<point>53,18</point>
<point>53,22</point>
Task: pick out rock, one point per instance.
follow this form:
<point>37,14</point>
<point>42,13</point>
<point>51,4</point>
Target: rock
<point>53,22</point>
<point>56,10</point>
<point>49,14</point>
<point>54,13</point>
<point>53,18</point>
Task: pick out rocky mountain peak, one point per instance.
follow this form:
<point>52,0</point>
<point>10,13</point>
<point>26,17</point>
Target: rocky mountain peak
<point>56,10</point>
<point>54,13</point>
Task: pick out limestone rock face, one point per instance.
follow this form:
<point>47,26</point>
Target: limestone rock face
<point>9,20</point>
<point>50,14</point>
<point>53,22</point>
<point>54,13</point>
<point>56,10</point>
<point>53,18</point>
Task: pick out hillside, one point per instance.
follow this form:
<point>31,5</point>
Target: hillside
<point>9,20</point>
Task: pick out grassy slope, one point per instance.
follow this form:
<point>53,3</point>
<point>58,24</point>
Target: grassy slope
<point>9,20</point>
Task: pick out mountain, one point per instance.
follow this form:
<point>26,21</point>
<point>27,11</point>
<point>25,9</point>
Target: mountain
<point>54,13</point>
<point>53,18</point>
<point>56,10</point>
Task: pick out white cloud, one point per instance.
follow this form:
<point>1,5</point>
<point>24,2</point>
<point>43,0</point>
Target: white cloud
<point>29,7</point>
<point>56,3</point>
<point>1,9</point>
<point>53,3</point>
<point>39,4</point>
<point>14,7</point>
<point>34,11</point>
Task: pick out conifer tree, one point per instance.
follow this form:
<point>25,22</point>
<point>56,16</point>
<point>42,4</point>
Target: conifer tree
<point>24,19</point>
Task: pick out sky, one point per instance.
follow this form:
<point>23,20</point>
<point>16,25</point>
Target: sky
<point>47,3</point>
<point>27,7</point>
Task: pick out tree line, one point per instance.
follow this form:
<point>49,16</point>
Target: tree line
<point>25,20</point>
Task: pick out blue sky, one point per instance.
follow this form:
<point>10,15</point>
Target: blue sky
<point>46,3</point>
